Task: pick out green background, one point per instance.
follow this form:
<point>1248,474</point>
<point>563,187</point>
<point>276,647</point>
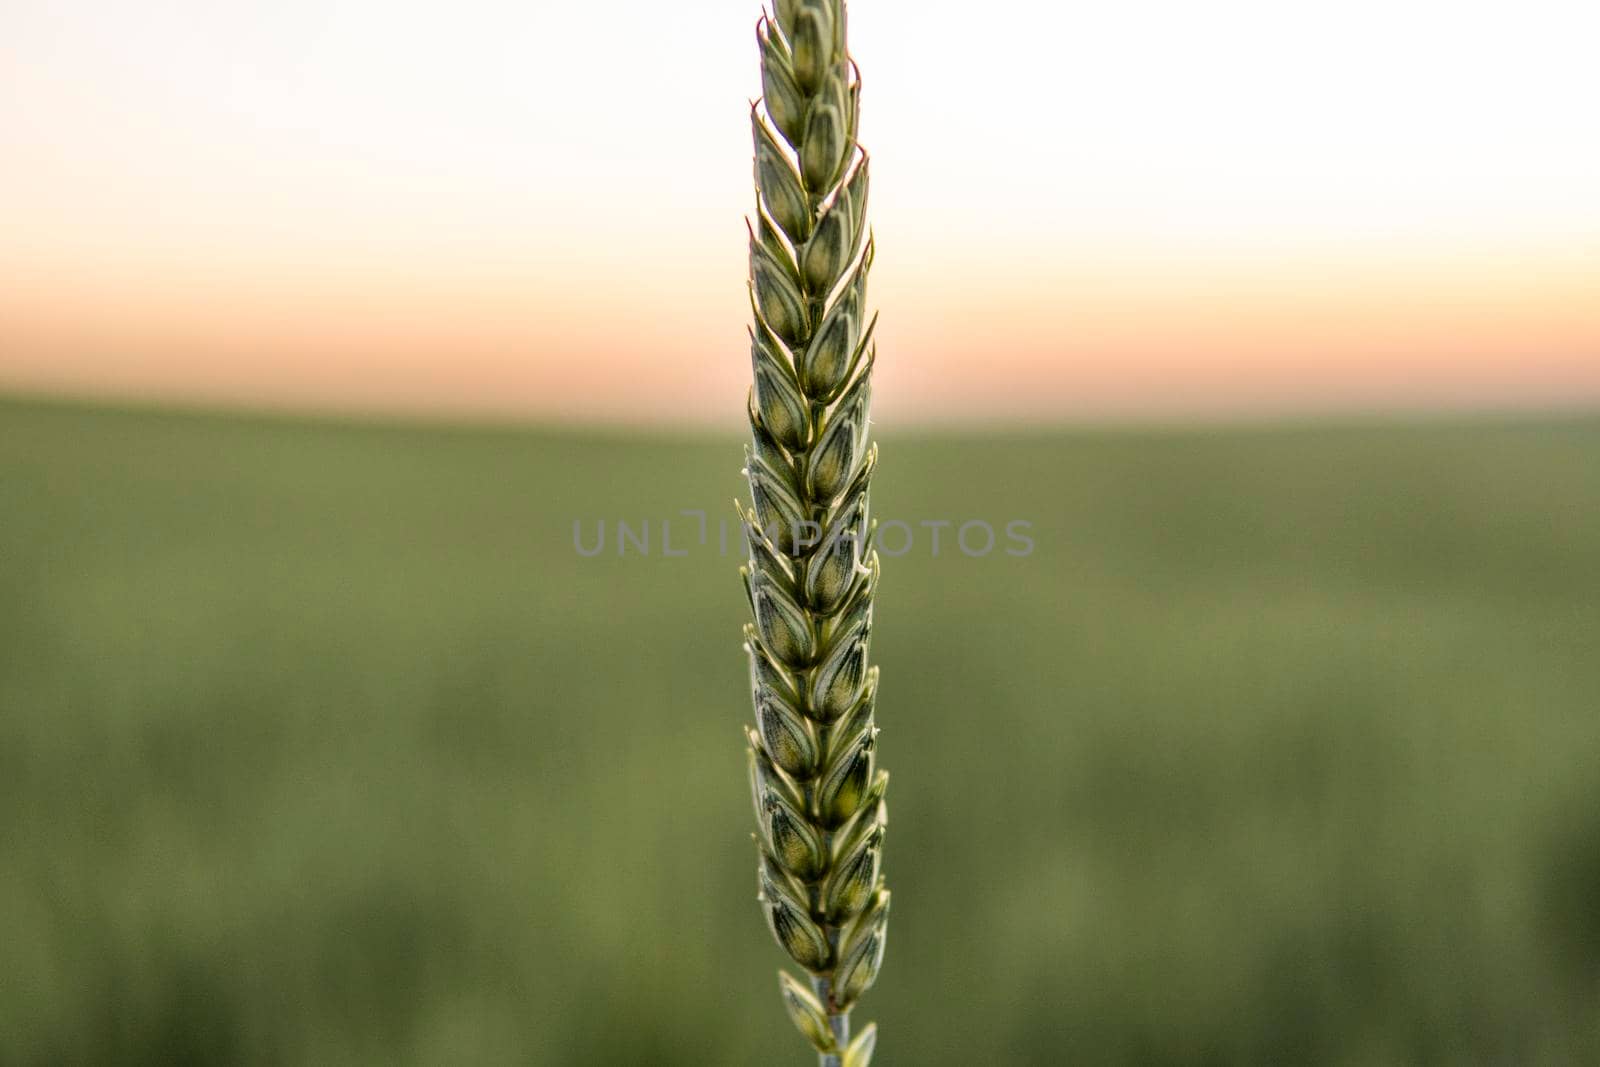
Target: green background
<point>320,743</point>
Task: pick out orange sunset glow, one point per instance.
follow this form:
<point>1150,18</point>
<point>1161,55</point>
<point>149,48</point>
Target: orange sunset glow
<point>535,209</point>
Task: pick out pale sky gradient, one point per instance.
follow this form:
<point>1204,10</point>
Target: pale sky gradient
<point>535,208</point>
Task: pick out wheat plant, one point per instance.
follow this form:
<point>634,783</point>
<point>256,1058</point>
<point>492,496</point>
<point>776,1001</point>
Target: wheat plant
<point>812,572</point>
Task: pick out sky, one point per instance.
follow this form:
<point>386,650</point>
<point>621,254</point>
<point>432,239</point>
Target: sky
<point>535,209</point>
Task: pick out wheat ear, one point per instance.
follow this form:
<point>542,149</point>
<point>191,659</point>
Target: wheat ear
<point>812,570</point>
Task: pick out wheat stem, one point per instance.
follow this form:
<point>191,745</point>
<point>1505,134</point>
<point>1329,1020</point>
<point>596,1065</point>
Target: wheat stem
<point>813,573</point>
<point>838,1025</point>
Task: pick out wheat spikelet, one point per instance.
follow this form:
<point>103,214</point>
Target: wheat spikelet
<point>812,571</point>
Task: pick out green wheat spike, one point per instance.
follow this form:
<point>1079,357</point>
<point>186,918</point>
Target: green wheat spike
<point>818,794</point>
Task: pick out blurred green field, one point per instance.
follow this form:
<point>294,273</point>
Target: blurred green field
<point>321,744</point>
